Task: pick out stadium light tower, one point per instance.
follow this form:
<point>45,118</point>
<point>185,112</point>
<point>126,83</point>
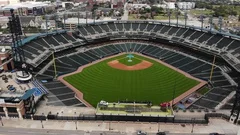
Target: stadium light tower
<point>18,54</point>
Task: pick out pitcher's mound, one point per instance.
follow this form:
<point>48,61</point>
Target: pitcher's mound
<point>143,65</point>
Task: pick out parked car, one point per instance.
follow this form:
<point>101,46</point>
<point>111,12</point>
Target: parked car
<point>161,133</point>
<point>214,134</point>
<point>141,133</point>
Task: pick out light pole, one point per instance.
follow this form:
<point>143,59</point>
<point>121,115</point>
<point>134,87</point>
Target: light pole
<point>201,18</point>
<point>220,21</point>
<point>46,19</point>
<point>1,121</point>
<point>210,22</point>
<point>42,120</point>
<point>185,17</point>
<point>169,16</point>
<point>76,124</point>
<point>193,119</point>
<point>56,21</point>
<point>177,13</point>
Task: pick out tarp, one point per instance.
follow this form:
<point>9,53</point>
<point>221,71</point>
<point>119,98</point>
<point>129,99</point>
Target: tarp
<point>28,94</point>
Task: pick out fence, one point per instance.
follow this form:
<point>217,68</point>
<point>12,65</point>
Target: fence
<point>128,118</point>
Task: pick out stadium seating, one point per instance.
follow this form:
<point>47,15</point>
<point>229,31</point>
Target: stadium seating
<point>43,47</point>
<point>173,30</point>
<point>61,95</point>
<point>51,41</point>
<point>68,60</point>
<point>97,28</point>
<point>135,26</point>
<point>197,68</point>
<point>61,39</point>
<point>189,36</point>
<point>214,40</point>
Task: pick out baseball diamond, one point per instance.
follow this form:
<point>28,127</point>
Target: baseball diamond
<point>113,80</point>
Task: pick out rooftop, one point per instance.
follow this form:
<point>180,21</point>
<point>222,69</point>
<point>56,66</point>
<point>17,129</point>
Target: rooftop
<point>29,4</point>
<point>83,21</point>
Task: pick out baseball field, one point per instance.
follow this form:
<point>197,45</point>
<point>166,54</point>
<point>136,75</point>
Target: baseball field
<point>130,77</point>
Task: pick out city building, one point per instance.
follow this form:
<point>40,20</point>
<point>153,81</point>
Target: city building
<point>6,62</point>
<point>186,5</point>
<point>28,8</point>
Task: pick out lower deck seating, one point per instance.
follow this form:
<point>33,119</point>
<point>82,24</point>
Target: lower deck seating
<point>61,94</point>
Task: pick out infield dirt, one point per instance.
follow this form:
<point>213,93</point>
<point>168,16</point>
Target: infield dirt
<point>140,66</point>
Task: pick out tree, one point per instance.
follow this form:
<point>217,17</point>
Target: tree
<point>147,10</point>
<point>157,10</point>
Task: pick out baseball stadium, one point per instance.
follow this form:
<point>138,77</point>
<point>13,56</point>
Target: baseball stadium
<point>143,70</point>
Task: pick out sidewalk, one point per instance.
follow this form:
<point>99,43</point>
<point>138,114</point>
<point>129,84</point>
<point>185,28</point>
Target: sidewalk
<point>215,125</point>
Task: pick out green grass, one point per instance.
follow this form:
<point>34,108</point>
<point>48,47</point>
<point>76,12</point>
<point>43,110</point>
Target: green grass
<point>158,17</point>
<point>165,17</point>
<point>126,62</point>
<point>156,83</point>
<point>122,107</point>
<point>196,12</point>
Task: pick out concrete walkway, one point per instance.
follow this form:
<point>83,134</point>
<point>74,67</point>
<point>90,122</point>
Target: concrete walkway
<point>130,128</point>
<point>125,14</point>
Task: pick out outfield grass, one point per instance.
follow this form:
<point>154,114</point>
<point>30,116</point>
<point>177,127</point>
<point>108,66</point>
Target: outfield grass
<point>156,83</point>
<point>125,61</point>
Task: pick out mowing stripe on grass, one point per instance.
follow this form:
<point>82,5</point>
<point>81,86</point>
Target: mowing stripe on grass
<point>156,83</point>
